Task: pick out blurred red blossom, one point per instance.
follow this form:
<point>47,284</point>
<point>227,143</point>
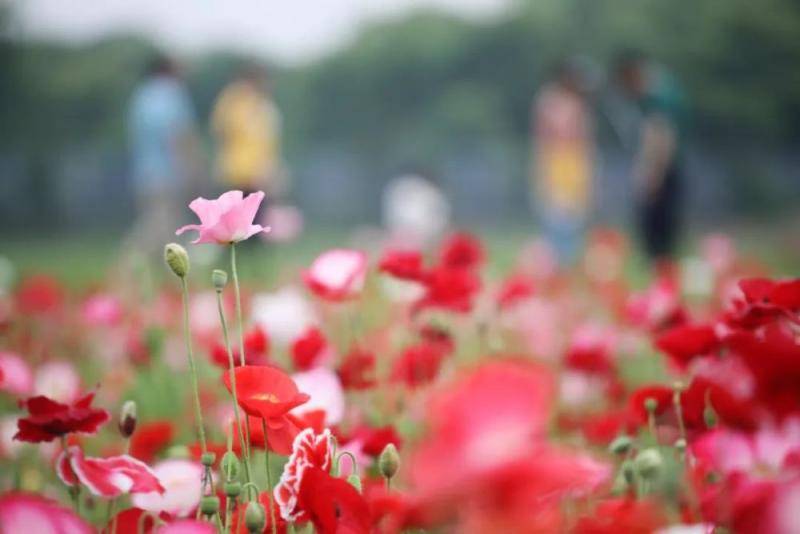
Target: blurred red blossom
<point>48,419</point>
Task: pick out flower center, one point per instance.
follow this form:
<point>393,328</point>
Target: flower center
<point>269,397</point>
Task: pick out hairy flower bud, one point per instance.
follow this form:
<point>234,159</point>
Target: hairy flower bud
<point>232,489</point>
<point>230,466</point>
<point>650,404</point>
<point>254,518</point>
<point>177,259</point>
<point>709,416</point>
<point>620,445</point>
<point>207,459</point>
<point>209,505</point>
<point>219,278</point>
<point>389,461</point>
<point>127,419</point>
<point>648,463</point>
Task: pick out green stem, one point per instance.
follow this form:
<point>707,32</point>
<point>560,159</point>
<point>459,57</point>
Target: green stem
<point>238,295</point>
<point>198,413</point>
<point>232,374</point>
<point>112,518</point>
<point>269,478</point>
<point>74,491</point>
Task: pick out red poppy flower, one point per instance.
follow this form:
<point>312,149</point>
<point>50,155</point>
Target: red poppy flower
<point>374,440</point>
<point>357,370</point>
<point>150,438</point>
<point>128,522</point>
<point>238,525</point>
<point>308,450</point>
<point>280,434</point>
<point>39,294</point>
<point>402,264</point>
<point>307,349</point>
<point>265,391</point>
<point>48,419</point>
<point>106,477</point>
<point>449,288</point>
<point>623,515</point>
<point>684,342</point>
<point>417,365</point>
<point>462,250</point>
<point>256,349</point>
<point>333,505</point>
<point>514,289</point>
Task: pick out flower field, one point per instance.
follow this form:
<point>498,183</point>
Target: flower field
<point>394,389</point>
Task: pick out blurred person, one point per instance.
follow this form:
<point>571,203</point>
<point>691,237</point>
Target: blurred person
<point>247,126</point>
<point>561,173</point>
<point>658,166</point>
<point>161,123</point>
<point>416,212</point>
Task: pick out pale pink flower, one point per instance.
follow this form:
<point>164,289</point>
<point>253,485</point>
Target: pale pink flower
<point>286,223</point>
<point>284,314</point>
<point>15,375</point>
<point>106,477</point>
<point>58,380</point>
<point>326,393</point>
<point>102,310</point>
<point>182,480</point>
<point>337,274</point>
<point>228,219</point>
<point>24,512</point>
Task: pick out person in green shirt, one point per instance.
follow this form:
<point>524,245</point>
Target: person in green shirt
<point>658,163</point>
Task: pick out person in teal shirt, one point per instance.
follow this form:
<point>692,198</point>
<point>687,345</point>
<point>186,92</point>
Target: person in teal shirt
<point>658,164</point>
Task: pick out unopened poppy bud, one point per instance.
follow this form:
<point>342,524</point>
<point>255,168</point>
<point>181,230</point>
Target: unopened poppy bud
<point>254,518</point>
<point>207,459</point>
<point>178,451</point>
<point>232,489</point>
<point>650,404</point>
<point>389,461</point>
<point>621,445</point>
<point>209,505</point>
<point>177,259</point>
<point>628,471</point>
<point>230,465</point>
<point>355,481</point>
<point>219,278</point>
<point>127,419</point>
<point>709,416</point>
<point>680,444</point>
<point>648,463</point>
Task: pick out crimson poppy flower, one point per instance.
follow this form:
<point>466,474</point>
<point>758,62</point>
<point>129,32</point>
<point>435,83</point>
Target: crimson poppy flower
<point>150,438</point>
<point>129,521</point>
<point>403,264</point>
<point>449,288</point>
<point>462,250</point>
<point>307,349</point>
<point>514,289</point>
<point>39,295</point>
<point>374,440</point>
<point>256,349</point>
<point>684,342</point>
<point>310,449</point>
<point>265,392</point>
<point>764,301</point>
<point>611,516</point>
<point>333,505</point>
<point>238,525</point>
<point>357,370</point>
<point>48,419</point>
<point>106,477</point>
<point>418,365</point>
<point>280,435</point>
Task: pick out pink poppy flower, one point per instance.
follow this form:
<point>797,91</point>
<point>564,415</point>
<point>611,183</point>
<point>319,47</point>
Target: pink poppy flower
<point>337,274</point>
<point>187,526</point>
<point>228,219</point>
<point>23,512</point>
<point>182,482</point>
<point>107,477</point>
<point>15,375</point>
<point>308,450</point>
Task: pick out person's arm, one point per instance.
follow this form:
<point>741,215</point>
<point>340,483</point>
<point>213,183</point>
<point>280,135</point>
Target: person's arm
<point>657,149</point>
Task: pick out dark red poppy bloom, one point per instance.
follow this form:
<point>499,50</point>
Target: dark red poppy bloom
<point>684,342</point>
<point>462,250</point>
<point>39,294</point>
<point>403,264</point>
<point>150,438</point>
<point>332,504</point>
<point>264,391</point>
<point>514,289</point>
<point>450,288</point>
<point>418,364</point>
<point>357,370</point>
<point>623,515</point>
<point>307,349</point>
<point>48,419</point>
<point>764,301</point>
<point>374,440</point>
<point>256,350</point>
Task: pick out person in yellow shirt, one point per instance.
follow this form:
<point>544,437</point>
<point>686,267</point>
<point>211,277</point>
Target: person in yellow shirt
<point>247,124</point>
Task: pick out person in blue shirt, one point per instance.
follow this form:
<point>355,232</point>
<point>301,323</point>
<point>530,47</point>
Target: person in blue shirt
<point>161,124</point>
<point>658,165</point>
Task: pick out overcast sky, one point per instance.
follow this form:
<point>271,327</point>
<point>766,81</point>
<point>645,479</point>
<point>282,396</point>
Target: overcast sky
<point>288,30</point>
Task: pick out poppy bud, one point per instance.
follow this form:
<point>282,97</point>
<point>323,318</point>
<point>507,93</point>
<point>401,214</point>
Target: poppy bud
<point>650,404</point>
<point>232,489</point>
<point>680,444</point>
<point>628,471</point>
<point>254,517</point>
<point>127,419</point>
<point>620,445</point>
<point>219,278</point>
<point>177,258</point>
<point>355,481</point>
<point>230,465</point>
<point>648,463</point>
<point>709,416</point>
<point>389,461</point>
<point>207,459</point>
<point>209,505</point>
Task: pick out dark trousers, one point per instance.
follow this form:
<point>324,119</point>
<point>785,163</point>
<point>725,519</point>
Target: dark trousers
<point>659,217</point>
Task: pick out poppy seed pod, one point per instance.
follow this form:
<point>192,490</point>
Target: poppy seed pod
<point>177,259</point>
<point>219,278</point>
<point>209,505</point>
<point>208,458</point>
<point>620,445</point>
<point>648,463</point>
<point>389,461</point>
<point>127,419</point>
<point>232,489</point>
<point>230,465</point>
<point>254,517</point>
<point>650,404</point>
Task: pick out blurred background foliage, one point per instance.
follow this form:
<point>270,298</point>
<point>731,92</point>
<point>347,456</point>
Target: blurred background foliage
<point>428,92</point>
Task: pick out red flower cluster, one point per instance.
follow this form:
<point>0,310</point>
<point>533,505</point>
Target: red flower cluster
<point>48,419</point>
